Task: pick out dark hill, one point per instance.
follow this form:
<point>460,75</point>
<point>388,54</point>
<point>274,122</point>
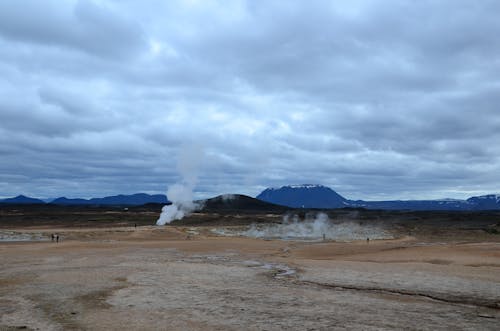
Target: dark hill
<point>238,202</point>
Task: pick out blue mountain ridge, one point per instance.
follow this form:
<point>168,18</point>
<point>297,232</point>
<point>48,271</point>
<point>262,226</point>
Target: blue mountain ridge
<point>22,199</point>
<point>116,200</point>
<point>319,196</point>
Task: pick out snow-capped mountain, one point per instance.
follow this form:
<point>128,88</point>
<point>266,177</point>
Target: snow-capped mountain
<point>490,201</point>
<point>319,196</point>
<point>303,196</point>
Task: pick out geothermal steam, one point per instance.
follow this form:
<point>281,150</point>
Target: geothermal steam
<point>181,194</point>
<point>315,228</point>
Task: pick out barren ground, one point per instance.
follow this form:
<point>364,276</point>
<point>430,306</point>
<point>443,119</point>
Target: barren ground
<point>181,278</point>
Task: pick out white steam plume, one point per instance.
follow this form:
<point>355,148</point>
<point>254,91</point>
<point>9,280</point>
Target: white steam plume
<point>181,194</point>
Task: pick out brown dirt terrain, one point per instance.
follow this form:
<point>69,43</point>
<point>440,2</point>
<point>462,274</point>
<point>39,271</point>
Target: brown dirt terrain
<point>187,278</point>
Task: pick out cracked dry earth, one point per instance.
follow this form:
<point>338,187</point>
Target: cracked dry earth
<point>155,279</point>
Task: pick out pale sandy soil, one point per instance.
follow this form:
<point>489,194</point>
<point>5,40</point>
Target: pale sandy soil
<point>171,278</point>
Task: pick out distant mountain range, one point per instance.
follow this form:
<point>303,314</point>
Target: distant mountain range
<point>292,196</point>
<point>319,196</point>
<point>115,200</point>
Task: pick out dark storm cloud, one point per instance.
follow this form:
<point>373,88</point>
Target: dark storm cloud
<point>392,100</point>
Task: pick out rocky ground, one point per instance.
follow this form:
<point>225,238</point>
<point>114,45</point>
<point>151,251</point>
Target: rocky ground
<point>188,278</point>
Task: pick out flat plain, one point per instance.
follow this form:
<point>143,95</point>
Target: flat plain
<point>118,276</point>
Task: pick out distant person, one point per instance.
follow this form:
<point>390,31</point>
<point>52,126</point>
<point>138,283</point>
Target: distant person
<point>52,237</point>
<point>135,225</point>
<point>57,238</point>
<point>367,240</point>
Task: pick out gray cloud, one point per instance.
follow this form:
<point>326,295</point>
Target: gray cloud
<point>397,100</point>
<point>83,26</point>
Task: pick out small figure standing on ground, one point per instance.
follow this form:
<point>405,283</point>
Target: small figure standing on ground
<point>52,237</point>
<point>367,240</point>
<point>57,238</point>
<point>135,225</point>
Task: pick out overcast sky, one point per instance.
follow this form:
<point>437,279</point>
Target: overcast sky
<point>376,99</point>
